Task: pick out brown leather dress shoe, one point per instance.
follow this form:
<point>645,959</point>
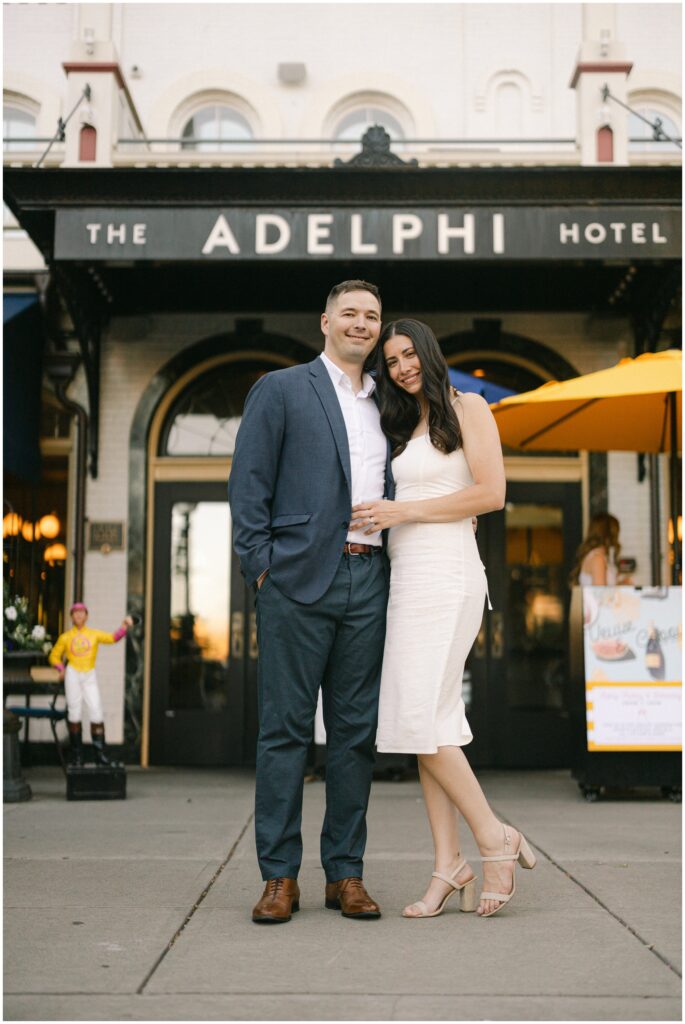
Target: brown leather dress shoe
<point>349,896</point>
<point>280,900</point>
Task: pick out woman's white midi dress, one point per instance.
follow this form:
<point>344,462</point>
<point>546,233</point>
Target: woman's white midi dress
<point>437,595</point>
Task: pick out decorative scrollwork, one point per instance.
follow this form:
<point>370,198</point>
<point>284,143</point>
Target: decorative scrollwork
<point>375,152</point>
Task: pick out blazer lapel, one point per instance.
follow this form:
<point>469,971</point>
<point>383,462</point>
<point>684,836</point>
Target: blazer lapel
<point>326,392</point>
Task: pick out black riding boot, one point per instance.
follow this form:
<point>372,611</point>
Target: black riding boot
<point>97,738</point>
<point>76,744</point>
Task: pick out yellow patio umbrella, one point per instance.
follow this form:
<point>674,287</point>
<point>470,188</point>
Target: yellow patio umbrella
<point>633,406</point>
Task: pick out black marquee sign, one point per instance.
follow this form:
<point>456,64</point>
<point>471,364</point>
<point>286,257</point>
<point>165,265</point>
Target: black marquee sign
<point>380,233</point>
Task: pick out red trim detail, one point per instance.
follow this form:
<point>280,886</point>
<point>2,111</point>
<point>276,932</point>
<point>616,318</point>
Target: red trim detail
<point>119,633</point>
<point>112,68</point>
<point>607,68</point>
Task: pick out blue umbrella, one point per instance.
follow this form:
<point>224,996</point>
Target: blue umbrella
<point>490,392</point>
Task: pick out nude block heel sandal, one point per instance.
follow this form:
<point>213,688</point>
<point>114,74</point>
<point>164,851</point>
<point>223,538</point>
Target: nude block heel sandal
<point>524,856</point>
<point>468,897</point>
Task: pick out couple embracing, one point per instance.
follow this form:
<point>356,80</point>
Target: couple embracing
<point>352,501</point>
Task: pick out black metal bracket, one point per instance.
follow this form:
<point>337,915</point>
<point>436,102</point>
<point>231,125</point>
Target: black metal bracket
<point>62,123</point>
<point>650,296</point>
<point>657,125</point>
<point>87,300</point>
<point>375,152</point>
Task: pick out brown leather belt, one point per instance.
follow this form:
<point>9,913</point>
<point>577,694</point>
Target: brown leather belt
<point>362,549</point>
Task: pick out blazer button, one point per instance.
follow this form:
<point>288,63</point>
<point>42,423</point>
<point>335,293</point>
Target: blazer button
<point>345,525</point>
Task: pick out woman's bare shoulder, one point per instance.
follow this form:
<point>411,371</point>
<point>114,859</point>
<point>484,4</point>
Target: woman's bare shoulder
<point>595,555</point>
<point>468,401</point>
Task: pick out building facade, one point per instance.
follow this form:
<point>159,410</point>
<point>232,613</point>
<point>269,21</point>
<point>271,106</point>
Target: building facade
<point>518,187</point>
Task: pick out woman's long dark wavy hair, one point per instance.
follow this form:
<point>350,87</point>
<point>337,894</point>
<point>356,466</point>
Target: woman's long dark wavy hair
<point>603,532</point>
<point>400,411</point>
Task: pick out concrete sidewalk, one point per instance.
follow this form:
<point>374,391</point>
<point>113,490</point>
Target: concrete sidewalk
<point>139,910</point>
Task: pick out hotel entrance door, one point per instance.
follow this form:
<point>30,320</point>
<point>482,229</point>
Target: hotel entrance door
<point>203,705</point>
<point>203,698</point>
<point>519,708</point>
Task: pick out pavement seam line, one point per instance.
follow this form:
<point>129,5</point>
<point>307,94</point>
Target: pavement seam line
<point>576,881</point>
<point>141,988</point>
<point>237,993</point>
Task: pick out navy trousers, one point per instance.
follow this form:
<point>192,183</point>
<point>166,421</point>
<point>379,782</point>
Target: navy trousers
<point>336,644</point>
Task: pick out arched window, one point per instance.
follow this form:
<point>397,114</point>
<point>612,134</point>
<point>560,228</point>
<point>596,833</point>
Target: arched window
<point>641,136</point>
<point>219,124</point>
<point>352,125</point>
<point>205,418</point>
<point>18,127</point>
<point>352,116</point>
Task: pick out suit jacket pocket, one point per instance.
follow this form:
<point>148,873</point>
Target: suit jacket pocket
<point>294,519</point>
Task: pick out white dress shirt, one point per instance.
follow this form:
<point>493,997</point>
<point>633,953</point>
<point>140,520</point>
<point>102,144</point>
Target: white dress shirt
<point>367,443</point>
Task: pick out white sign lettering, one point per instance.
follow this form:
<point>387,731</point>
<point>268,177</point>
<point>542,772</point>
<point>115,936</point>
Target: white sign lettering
<point>427,232</point>
<point>595,233</point>
<point>357,246</point>
<point>263,223</point>
<point>115,233</point>
<point>446,231</point>
<point>498,232</point>
<point>221,235</point>
<point>404,227</point>
<point>566,233</point>
<point>318,227</point>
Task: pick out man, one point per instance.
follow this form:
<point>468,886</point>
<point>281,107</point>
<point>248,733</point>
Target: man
<point>79,647</point>
<point>310,446</point>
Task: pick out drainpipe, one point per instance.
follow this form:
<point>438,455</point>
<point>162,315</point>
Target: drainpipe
<point>655,518</point>
<point>61,368</point>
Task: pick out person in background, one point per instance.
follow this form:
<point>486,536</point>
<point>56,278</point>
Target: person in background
<point>597,557</point>
<point>79,648</point>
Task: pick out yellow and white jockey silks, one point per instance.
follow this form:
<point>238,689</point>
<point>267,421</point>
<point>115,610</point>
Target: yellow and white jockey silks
<point>80,647</point>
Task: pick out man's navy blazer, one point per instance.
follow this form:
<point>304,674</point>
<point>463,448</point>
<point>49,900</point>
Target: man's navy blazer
<point>290,484</point>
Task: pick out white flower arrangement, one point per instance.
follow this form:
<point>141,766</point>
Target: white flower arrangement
<point>20,631</point>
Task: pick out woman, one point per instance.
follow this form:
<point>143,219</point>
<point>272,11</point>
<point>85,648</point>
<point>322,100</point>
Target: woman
<point>447,464</point>
<point>597,557</point>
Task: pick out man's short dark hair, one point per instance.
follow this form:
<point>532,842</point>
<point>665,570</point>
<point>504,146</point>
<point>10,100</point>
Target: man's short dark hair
<point>352,286</point>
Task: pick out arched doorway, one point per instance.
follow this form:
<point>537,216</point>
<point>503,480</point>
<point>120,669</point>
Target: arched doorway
<point>519,666</point>
<point>194,682</point>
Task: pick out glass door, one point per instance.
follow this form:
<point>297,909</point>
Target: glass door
<point>519,666</point>
<point>204,636</point>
